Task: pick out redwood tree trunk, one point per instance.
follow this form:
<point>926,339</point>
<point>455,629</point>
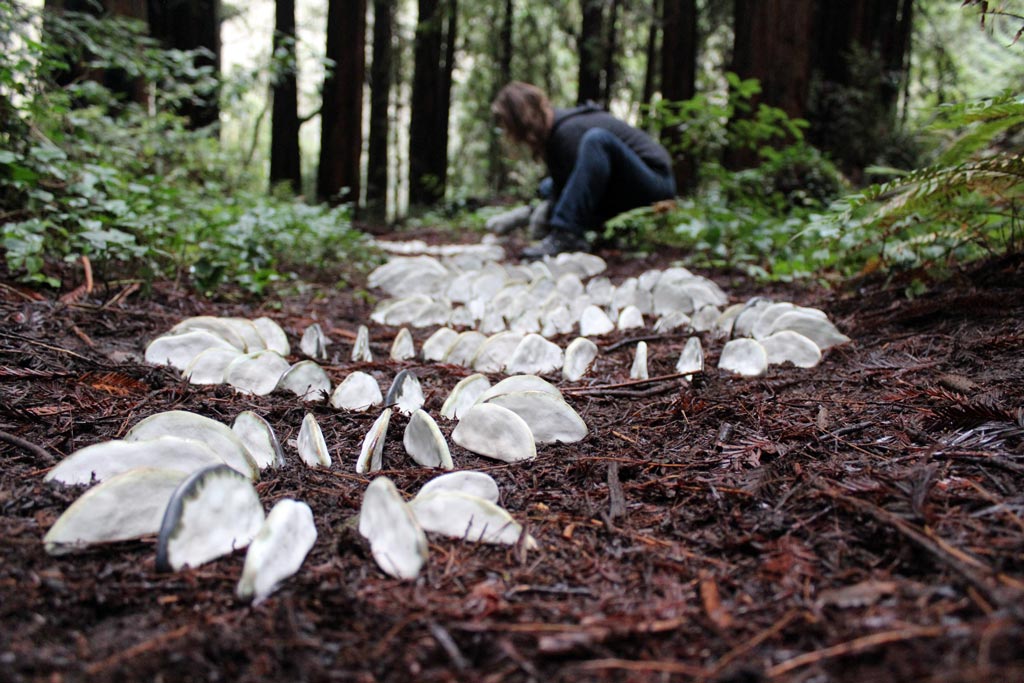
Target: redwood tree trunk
<point>191,25</point>
<point>679,76</point>
<point>285,164</point>
<point>611,50</point>
<point>341,115</point>
<point>498,169</point>
<point>590,46</point>
<point>380,97</point>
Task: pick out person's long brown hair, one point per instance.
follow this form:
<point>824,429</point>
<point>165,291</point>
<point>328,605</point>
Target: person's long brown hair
<point>524,112</point>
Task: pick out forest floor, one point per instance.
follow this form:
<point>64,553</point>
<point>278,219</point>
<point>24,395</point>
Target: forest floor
<point>859,521</point>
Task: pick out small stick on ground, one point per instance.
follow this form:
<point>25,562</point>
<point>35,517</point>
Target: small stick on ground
<point>616,498</point>
<point>28,446</point>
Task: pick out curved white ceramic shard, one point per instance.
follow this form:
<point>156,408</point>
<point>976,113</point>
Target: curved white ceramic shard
<point>704,319</point>
<point>494,353</point>
<point>630,318</point>
<point>436,346</point>
<point>558,319</point>
<point>403,348</point>
<point>462,317</point>
<point>819,330</point>
<point>307,380</point>
<point>463,395</point>
<point>219,327</point>
<point>628,293</point>
<point>178,350</point>
<point>273,335</point>
<point>744,357</point>
<point>579,355</point>
<point>247,331</point>
<point>527,322</point>
<point>126,506</point>
<point>691,360</point>
<point>792,347</point>
<point>549,418</point>
<point>743,326</point>
<point>492,323</point>
<point>259,438</point>
<point>208,366</point>
<point>108,459</point>
<point>425,443</point>
<point>672,294</point>
<point>495,432</point>
<point>724,322</point>
<point>359,391</point>
<point>488,282</point>
<point>400,276</point>
<point>397,542</point>
<point>464,348</point>
<point>594,322</point>
<point>520,383</point>
<point>371,454</point>
<point>648,279</point>
<point>672,320</point>
<point>311,444</point>
<point>470,482</point>
<point>583,264</point>
<point>639,368</point>
<point>570,285</point>
<point>769,314</point>
<point>314,342</point>
<point>535,355</point>
<point>405,393</point>
<point>187,425</point>
<point>212,513</point>
<point>418,310</point>
<point>278,550</point>
<point>361,348</point>
<point>256,373</point>
<point>459,515</point>
<point>600,291</point>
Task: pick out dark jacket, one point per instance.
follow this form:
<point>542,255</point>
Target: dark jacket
<point>570,125</point>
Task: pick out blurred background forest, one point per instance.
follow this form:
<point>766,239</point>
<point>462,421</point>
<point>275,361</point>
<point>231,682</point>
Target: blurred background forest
<point>244,143</point>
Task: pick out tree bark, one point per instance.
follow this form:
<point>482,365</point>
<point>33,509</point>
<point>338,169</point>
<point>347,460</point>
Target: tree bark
<point>591,49</point>
<point>498,169</point>
<point>285,163</point>
<point>679,77</point>
<point>380,98</point>
<point>341,115</point>
<point>611,52</point>
<point>191,25</point>
<point>652,68</point>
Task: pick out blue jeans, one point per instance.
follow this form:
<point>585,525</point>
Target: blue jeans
<point>608,178</point>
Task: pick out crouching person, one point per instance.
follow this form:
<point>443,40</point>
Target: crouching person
<point>599,165</point>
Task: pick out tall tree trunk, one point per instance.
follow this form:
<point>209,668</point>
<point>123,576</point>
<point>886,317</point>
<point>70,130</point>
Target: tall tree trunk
<point>191,25</point>
<point>590,47</point>
<point>380,97</point>
<point>610,54</point>
<point>679,76</point>
<point>651,68</point>
<point>285,163</point>
<point>431,92</point>
<point>498,169</point>
<point>341,115</point>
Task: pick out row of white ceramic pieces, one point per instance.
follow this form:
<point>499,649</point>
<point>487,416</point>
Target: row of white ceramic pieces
<point>505,422</point>
<point>454,256</point>
<point>197,516</point>
<point>404,276</point>
<point>461,505</point>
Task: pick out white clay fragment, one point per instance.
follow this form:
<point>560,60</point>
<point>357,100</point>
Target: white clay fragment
<point>127,506</point>
<point>311,444</point>
<point>278,550</point>
<point>549,418</point>
<point>811,324</point>
<point>594,322</point>
<point>691,360</point>
<point>465,394</point>
<point>470,482</point>
<point>639,368</point>
<point>464,348</point>
<point>213,512</point>
<point>273,336</point>
<point>436,347</point>
<point>359,391</point>
<point>425,443</point>
<point>361,348</point>
<point>314,342</point>
<point>792,347</point>
<point>520,383</point>
<point>187,425</point>
<point>372,452</point>
<point>397,542</point>
<point>405,393</point>
<point>494,354</point>
<point>744,357</point>
<point>704,319</point>
<point>403,348</point>
<point>495,432</point>
<point>579,355</point>
<point>630,318</point>
<point>307,380</point>
<point>178,350</point>
<point>259,438</point>
<point>256,373</point>
<point>535,355</point>
<point>459,515</point>
<point>671,321</point>
<point>208,366</point>
<point>108,459</point>
<point>219,327</point>
<point>244,328</point>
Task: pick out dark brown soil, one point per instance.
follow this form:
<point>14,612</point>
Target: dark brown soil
<point>860,521</point>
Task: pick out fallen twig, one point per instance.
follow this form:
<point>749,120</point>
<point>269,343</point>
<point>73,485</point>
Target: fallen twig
<point>24,445</point>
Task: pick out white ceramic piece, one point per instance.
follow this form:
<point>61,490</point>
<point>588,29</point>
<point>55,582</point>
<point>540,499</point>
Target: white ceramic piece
<point>744,357</point>
<point>278,550</point>
<point>464,348</point>
<point>470,482</point>
<point>425,443</point>
<point>371,454</point>
<point>359,391</point>
<point>397,542</point>
<point>691,360</point>
<point>630,318</point>
<point>810,324</point>
<point>208,366</point>
<point>187,425</point>
<point>361,348</point>
<point>460,515</point>
<point>178,350</point>
<point>405,393</point>
<point>535,355</point>
<point>311,444</point>
<point>273,336</point>
<point>314,342</point>
<point>594,322</point>
<point>639,368</point>
<point>259,438</point>
<point>549,418</point>
<point>257,373</point>
<point>496,351</point>
<point>463,395</point>
<point>403,348</point>
<point>792,347</point>
<point>495,432</point>
<point>579,355</point>
<point>307,380</point>
<point>108,459</point>
<point>436,347</point>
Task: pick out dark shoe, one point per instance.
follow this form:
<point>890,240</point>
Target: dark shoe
<point>554,244</point>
